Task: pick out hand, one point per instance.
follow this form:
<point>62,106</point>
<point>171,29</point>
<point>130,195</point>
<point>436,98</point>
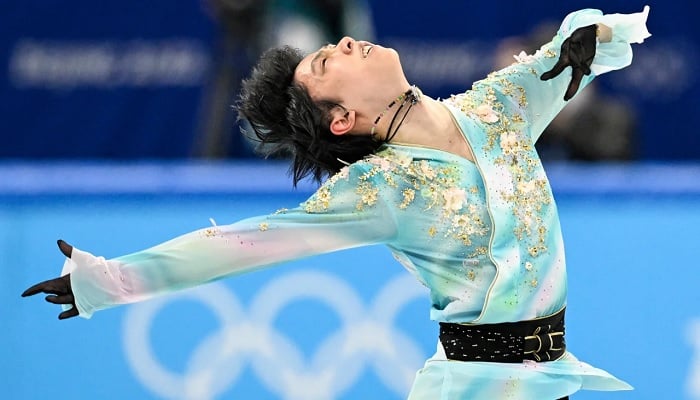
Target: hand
<point>59,289</point>
<point>577,51</point>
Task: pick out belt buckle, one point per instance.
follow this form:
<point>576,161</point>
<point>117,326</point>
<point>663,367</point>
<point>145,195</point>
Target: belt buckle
<point>546,346</point>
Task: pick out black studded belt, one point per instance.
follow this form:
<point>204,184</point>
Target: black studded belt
<point>540,339</point>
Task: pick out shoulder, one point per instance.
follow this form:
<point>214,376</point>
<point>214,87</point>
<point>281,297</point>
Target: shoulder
<point>365,183</point>
<point>386,160</point>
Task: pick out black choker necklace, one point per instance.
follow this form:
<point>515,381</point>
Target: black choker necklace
<point>406,99</point>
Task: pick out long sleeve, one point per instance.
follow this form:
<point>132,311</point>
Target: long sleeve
<point>501,118</point>
<point>535,102</point>
<point>334,218</point>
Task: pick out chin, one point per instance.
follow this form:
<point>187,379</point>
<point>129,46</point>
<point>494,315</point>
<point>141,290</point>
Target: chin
<point>395,55</point>
<point>391,54</point>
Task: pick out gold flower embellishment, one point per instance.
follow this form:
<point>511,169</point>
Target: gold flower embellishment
<point>426,170</point>
<point>344,173</point>
<point>403,159</point>
<point>527,187</point>
<point>509,142</point>
<point>486,113</point>
<point>454,199</point>
<point>524,58</point>
<point>381,162</point>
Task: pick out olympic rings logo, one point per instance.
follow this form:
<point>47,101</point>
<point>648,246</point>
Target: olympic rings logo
<point>367,337</point>
<point>693,383</point>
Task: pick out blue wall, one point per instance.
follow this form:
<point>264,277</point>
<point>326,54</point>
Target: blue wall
<point>458,39</point>
<point>634,308</point>
<point>127,81</point>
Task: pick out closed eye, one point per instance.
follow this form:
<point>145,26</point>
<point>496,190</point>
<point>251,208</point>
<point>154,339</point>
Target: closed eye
<point>322,54</point>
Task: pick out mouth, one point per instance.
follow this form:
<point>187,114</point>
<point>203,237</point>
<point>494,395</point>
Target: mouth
<point>366,49</point>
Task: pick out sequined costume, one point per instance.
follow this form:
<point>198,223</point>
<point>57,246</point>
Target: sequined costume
<point>483,236</point>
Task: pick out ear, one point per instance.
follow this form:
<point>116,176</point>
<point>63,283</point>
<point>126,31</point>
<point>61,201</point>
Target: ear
<point>342,121</point>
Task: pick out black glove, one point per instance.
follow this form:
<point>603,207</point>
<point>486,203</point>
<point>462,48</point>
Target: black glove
<point>577,51</point>
<point>59,289</point>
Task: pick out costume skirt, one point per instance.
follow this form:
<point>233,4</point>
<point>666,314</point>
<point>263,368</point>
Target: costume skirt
<point>443,379</point>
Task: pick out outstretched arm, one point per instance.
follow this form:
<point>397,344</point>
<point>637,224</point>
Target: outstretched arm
<point>330,220</point>
<point>533,90</point>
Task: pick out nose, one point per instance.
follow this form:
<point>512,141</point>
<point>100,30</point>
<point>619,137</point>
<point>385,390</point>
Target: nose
<point>345,44</point>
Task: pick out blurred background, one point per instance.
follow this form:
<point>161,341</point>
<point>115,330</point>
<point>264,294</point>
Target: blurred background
<point>124,81</point>
<point>118,133</point>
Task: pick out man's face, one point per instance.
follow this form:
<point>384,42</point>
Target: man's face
<point>356,74</point>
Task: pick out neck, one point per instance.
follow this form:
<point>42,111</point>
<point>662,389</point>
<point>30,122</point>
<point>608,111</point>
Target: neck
<point>432,125</point>
<point>426,123</point>
<point>395,114</point>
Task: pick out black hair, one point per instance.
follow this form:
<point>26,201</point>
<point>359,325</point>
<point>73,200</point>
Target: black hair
<point>288,122</point>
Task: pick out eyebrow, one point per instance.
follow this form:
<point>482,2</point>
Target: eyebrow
<point>318,55</point>
<point>313,62</point>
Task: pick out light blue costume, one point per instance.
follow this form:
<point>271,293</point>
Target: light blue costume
<point>483,236</point>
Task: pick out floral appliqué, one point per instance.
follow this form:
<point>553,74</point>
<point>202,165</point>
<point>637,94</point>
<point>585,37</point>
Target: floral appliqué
<point>417,183</point>
<point>320,201</point>
<point>524,58</point>
<point>438,188</point>
<point>486,113</point>
<point>507,139</point>
<point>454,199</point>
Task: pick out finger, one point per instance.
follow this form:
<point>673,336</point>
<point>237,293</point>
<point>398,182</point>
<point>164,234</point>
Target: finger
<point>555,71</point>
<point>51,286</point>
<point>562,62</point>
<point>69,313</point>
<point>585,69</point>
<point>38,288</point>
<point>576,77</point>
<point>583,65</point>
<point>65,248</point>
<point>62,299</point>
